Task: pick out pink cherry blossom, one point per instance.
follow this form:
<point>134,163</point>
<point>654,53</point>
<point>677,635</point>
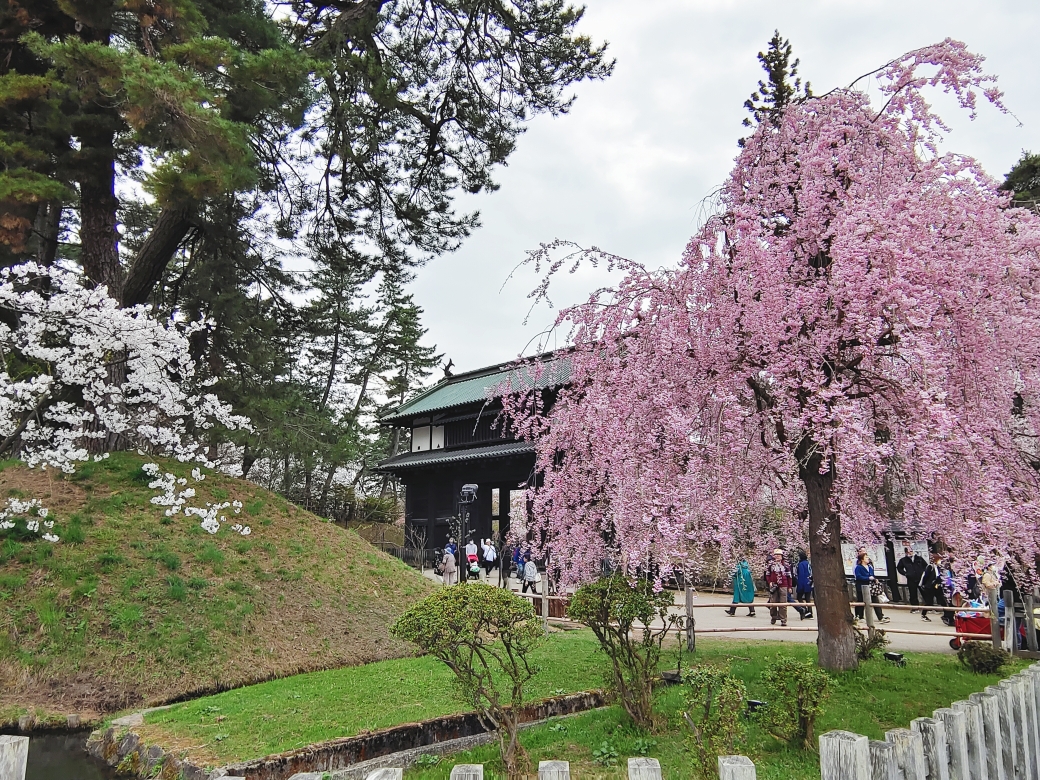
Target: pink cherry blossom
<point>852,341</point>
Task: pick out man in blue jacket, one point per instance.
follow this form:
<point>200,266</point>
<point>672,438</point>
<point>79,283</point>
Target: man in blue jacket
<point>804,583</point>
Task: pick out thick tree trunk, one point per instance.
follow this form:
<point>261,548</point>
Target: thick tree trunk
<point>836,642</point>
<point>99,239</point>
<point>48,223</point>
<point>155,254</point>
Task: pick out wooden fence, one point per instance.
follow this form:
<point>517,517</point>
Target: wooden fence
<point>995,735</point>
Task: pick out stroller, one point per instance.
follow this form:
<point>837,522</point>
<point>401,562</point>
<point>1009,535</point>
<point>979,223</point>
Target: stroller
<point>438,561</point>
<point>474,566</point>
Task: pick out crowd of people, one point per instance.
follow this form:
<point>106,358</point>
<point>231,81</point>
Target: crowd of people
<point>787,582</point>
<point>486,558</point>
<point>934,583</point>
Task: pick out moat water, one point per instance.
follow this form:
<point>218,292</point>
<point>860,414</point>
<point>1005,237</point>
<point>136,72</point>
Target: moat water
<point>63,757</point>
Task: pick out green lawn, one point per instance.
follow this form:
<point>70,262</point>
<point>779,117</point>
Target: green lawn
<point>296,711</point>
<point>877,697</point>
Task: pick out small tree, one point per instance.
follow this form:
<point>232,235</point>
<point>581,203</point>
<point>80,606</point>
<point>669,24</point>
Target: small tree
<point>714,700</point>
<point>621,613</point>
<point>485,635</point>
<point>796,691</point>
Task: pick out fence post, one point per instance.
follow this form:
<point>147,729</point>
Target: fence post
<point>1032,674</point>
<point>909,750</point>
<point>994,617</point>
<point>691,636</point>
<point>976,736</point>
<point>883,761</point>
<point>467,772</point>
<point>1010,635</point>
<point>933,734</point>
<point>644,769</point>
<point>956,741</point>
<point>1030,602</point>
<point>736,768</point>
<point>554,770</point>
<point>1008,727</point>
<point>868,610</point>
<point>844,756</point>
<point>991,731</point>
<point>14,754</point>
<point>1027,717</point>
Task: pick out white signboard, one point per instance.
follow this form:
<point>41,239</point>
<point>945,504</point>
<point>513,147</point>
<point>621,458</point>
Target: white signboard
<point>876,553</point>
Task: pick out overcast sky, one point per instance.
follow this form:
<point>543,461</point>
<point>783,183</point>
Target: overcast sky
<point>628,169</point>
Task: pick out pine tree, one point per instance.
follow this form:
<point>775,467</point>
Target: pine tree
<point>781,88</point>
<point>1024,181</point>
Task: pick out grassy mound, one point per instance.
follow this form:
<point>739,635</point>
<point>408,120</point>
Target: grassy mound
<point>132,606</point>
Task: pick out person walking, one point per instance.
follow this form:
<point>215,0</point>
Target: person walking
<point>518,562</point>
<point>804,583</point>
<point>448,566</point>
<point>931,587</point>
<point>531,576</point>
<point>778,580</point>
<point>912,566</point>
<point>865,579</point>
<point>743,588</point>
<point>490,556</point>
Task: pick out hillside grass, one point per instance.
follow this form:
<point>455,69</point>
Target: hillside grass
<point>135,607</point>
<point>274,717</point>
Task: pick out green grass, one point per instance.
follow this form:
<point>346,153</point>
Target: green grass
<point>291,713</point>
<point>159,606</point>
<point>877,697</point>
<point>296,711</point>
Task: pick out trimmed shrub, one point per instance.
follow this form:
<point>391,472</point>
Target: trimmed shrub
<point>982,658</point>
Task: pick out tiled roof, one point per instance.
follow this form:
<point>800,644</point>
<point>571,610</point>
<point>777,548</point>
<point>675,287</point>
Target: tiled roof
<point>411,460</point>
<point>474,386</point>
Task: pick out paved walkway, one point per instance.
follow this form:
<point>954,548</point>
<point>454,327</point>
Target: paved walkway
<point>716,618</point>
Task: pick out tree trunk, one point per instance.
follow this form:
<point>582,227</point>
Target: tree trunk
<point>99,238</point>
<point>155,254</point>
<point>48,224</point>
<point>323,501</point>
<point>248,459</point>
<point>835,642</point>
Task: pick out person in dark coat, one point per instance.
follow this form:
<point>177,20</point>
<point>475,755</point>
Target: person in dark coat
<point>912,566</point>
<point>932,589</point>
<point>804,583</point>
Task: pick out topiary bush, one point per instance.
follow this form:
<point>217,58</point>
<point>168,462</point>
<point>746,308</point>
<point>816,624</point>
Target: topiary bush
<point>982,658</point>
<point>796,692</point>
<point>714,700</point>
<point>485,636</point>
<point>621,613</point>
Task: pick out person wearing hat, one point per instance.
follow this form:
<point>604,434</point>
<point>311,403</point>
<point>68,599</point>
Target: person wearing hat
<point>778,580</point>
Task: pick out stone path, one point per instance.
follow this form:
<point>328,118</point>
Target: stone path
<point>716,617</point>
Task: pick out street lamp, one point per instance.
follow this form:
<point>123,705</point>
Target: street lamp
<point>467,496</point>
